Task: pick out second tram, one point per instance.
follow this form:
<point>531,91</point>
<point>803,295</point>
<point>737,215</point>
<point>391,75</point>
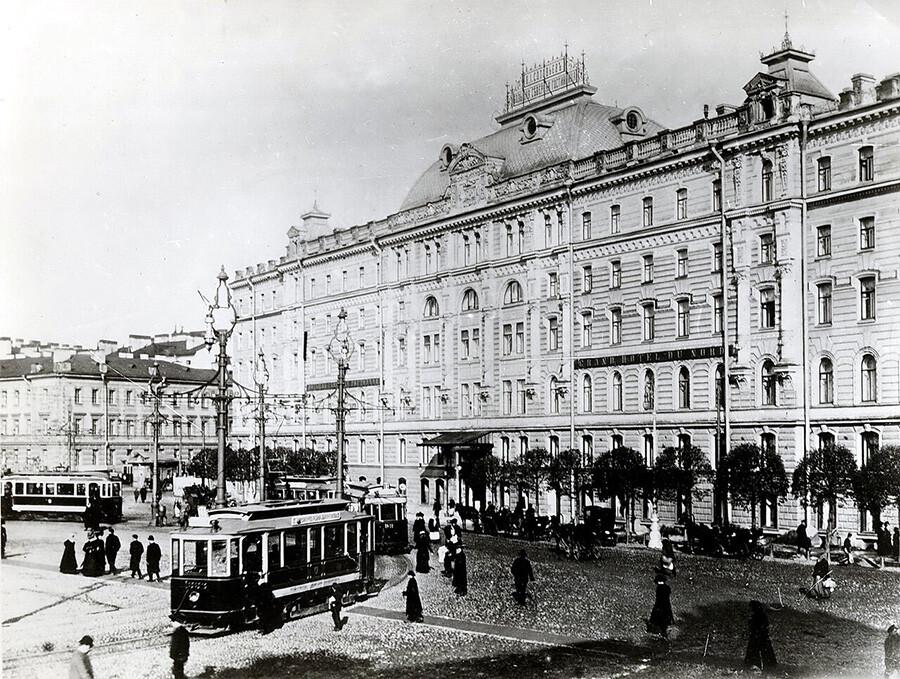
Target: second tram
<point>283,556</point>
<point>63,495</point>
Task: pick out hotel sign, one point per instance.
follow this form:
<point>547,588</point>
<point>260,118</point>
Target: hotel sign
<point>670,356</point>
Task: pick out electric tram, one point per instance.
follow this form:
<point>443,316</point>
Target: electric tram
<point>281,555</point>
<point>388,507</point>
<point>63,495</point>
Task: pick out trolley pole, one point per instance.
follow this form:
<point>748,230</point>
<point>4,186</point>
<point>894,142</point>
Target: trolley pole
<point>340,415</point>
<point>221,420</point>
<point>261,377</point>
<point>156,385</point>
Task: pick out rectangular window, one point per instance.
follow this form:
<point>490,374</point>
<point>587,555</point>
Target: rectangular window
<point>684,318</point>
<point>648,212</point>
<point>587,279</point>
<point>825,303</point>
<point>401,451</point>
<point>586,226</point>
<point>464,349</point>
<point>520,396</point>
<point>649,322</point>
<point>77,397</point>
<point>587,327</point>
<point>866,233</point>
<point>767,308</point>
<point>362,451</point>
<point>682,263</point>
<point>767,248</point>
<point>717,196</point>
<point>509,240</point>
<point>553,337</point>
<point>866,164</point>
<point>766,181</point>
<point>718,314</point>
<point>614,213</point>
<point>717,257</point>
<point>823,241</point>
<point>95,396</point>
<point>553,285</point>
<point>648,269</point>
<point>824,174</point>
<point>681,204</point>
<point>507,339</point>
<point>401,350</point>
<point>507,397</point>
<point>465,399</point>
<point>426,401</point>
<point>615,326</point>
<point>548,229</point>
<point>615,277</point>
<point>362,277</point>
<point>520,338</point>
<point>867,298</point>
<point>476,343</point>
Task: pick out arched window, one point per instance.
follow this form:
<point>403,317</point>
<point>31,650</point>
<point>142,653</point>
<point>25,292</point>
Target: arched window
<point>869,378</point>
<point>826,381</point>
<point>470,300</point>
<point>513,293</point>
<point>425,495</point>
<point>431,308</point>
<point>554,395</point>
<point>649,390</point>
<point>767,181</point>
<point>684,388</point>
<point>617,391</point>
<point>769,390</point>
<point>587,394</point>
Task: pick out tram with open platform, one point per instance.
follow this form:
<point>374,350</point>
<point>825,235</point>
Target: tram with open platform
<point>280,558</point>
<point>63,495</point>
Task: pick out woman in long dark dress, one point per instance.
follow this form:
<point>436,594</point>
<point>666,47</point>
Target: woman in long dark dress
<point>460,573</point>
<point>68,563</point>
<point>661,616</point>
<point>413,601</point>
<point>423,552</point>
<point>93,564</point>
<point>759,648</point>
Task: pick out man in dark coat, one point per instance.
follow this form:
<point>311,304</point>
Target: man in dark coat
<point>883,544</point>
<point>143,493</point>
<point>136,551</point>
<point>423,552</point>
<point>335,605</point>
<point>661,616</point>
<point>179,650</point>
<point>460,573</point>
<point>113,545</point>
<point>759,647</point>
<point>154,555</point>
<point>803,541</point>
<point>413,601</point>
<point>522,575</point>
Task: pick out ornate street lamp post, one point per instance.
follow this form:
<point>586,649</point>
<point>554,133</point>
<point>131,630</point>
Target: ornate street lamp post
<point>220,321</point>
<point>156,385</point>
<point>341,349</point>
<point>261,378</point>
<point>104,372</point>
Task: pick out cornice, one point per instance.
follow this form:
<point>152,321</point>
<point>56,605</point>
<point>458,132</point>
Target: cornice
<point>855,193</point>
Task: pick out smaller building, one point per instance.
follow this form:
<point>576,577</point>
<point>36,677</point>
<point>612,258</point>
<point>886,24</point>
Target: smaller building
<point>71,409</point>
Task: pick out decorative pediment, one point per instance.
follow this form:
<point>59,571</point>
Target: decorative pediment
<point>763,81</point>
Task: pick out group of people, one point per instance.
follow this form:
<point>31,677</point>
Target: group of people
<point>100,554</point>
<point>451,554</point>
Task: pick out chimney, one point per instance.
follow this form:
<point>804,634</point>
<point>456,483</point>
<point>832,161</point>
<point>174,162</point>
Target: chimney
<point>889,88</point>
<point>863,88</point>
<point>847,99</point>
<point>62,355</point>
<point>107,347</point>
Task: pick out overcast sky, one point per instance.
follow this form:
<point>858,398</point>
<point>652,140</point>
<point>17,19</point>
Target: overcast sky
<point>144,144</point>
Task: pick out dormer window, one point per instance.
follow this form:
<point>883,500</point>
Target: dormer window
<point>530,127</point>
<point>446,156</point>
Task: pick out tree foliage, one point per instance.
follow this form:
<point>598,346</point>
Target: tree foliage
<point>532,469</point>
<point>620,473</point>
<point>825,476</point>
<point>242,465</point>
<point>679,473</point>
<point>876,484</point>
<point>750,474</point>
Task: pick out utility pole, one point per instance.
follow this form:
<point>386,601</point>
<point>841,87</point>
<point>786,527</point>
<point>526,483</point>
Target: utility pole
<point>341,348</point>
<point>156,385</point>
<point>262,378</point>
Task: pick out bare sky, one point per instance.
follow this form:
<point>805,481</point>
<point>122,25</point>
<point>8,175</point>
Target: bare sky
<point>144,144</point>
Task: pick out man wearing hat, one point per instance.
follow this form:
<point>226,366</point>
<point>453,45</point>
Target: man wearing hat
<point>179,649</point>
<point>136,550</point>
<point>80,664</point>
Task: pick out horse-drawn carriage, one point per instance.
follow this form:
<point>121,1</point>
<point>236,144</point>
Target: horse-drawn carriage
<point>583,540</point>
<point>725,540</point>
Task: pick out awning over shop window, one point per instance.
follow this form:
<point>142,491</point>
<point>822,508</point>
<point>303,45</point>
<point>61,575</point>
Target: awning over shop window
<point>459,438</point>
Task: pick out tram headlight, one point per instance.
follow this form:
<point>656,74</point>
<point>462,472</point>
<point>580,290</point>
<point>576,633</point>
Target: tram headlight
<point>194,597</point>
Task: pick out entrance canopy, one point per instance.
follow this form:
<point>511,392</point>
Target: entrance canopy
<point>460,440</point>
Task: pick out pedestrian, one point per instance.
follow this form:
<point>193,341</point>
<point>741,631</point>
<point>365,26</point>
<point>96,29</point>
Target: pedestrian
<point>136,551</point>
<point>436,508</point>
<point>335,604</point>
<point>821,579</point>
<point>68,564</point>
<point>161,519</point>
<point>892,653</point>
<point>530,523</point>
<point>423,552</point>
<point>883,543</point>
<point>460,573</point>
<point>143,492</point>
<point>803,542</point>
<point>137,494</point>
<point>413,601</point>
<point>2,538</point>
<point>94,563</point>
<point>661,616</point>
<point>179,649</point>
<point>80,664</point>
<point>113,545</point>
<point>759,653</point>
<point>847,549</point>
<point>667,559</point>
<point>897,543</point>
<point>445,557</point>
<point>522,573</point>
<point>418,525</point>
<point>153,558</point>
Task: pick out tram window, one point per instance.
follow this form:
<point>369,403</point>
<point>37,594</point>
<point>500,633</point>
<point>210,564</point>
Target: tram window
<point>315,545</point>
<point>352,532</point>
<point>364,537</point>
<point>389,512</point>
<point>94,490</point>
<point>219,557</point>
<point>79,489</point>
<point>176,556</point>
<point>253,554</point>
<point>334,541</point>
<point>7,488</point>
<point>195,552</point>
<point>295,547</point>
<point>65,488</point>
<point>18,489</point>
<point>235,557</point>
<point>116,489</point>
<point>34,488</point>
<point>274,550</point>
<point>50,489</point>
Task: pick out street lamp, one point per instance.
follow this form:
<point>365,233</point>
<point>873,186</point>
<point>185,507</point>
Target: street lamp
<point>261,377</point>
<point>104,372</point>
<point>341,349</point>
<point>220,321</point>
<point>156,385</point>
